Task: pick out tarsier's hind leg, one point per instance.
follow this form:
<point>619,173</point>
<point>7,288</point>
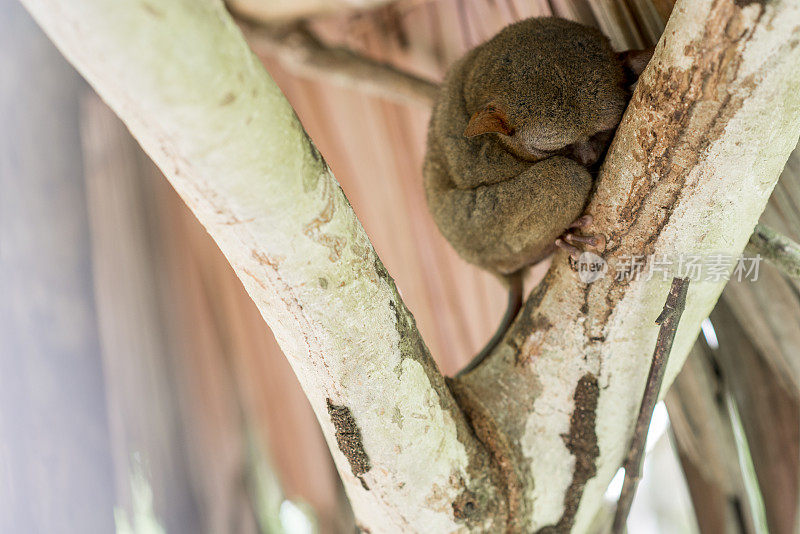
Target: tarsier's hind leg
<point>509,225</point>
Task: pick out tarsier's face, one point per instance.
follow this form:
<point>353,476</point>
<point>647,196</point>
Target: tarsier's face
<point>546,87</point>
<point>535,136</point>
<point>549,109</point>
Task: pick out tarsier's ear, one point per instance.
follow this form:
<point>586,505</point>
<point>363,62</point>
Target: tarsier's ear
<point>486,120</point>
<point>634,62</point>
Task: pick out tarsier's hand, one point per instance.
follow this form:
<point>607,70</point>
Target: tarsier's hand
<point>572,242</point>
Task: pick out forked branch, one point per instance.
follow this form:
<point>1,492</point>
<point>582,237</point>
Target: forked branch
<point>686,173</point>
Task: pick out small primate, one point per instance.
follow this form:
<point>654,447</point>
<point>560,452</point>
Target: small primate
<point>520,124</point>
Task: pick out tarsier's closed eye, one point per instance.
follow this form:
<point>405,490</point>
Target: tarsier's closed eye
<point>490,119</point>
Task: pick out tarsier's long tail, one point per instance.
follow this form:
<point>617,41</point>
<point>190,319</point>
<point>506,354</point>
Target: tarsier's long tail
<point>515,289</point>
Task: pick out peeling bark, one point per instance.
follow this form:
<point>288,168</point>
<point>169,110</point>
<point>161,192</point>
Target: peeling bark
<point>582,444</point>
<point>348,437</point>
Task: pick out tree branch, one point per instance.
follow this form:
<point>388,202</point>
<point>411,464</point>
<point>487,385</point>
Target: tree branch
<point>300,51</point>
<point>669,319</point>
<point>706,134</point>
<point>181,76</point>
<point>778,249</point>
<point>702,143</point>
<point>769,308</point>
<point>281,10</point>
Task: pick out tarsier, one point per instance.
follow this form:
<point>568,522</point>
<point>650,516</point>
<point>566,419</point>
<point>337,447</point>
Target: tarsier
<point>519,125</point>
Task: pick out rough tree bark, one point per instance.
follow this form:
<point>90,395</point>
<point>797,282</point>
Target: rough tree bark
<point>541,427</point>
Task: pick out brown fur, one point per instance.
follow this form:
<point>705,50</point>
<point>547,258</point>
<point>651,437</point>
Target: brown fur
<point>548,91</point>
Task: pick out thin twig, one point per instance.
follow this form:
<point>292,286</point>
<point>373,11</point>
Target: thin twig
<point>302,52</point>
<point>669,319</point>
<point>778,249</point>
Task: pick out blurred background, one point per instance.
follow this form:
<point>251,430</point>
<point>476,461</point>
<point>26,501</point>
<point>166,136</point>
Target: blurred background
<point>140,390</point>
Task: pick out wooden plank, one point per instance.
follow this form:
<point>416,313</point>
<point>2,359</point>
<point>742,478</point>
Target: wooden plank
<point>770,417</point>
<point>707,448</point>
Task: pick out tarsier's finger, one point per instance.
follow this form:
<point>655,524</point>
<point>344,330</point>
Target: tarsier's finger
<point>585,239</point>
<point>600,242</point>
<point>597,241</point>
<point>574,252</point>
<point>581,222</point>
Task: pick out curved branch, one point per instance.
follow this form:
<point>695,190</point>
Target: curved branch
<point>281,10</point>
<point>300,51</point>
<point>708,130</point>
<point>184,81</point>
